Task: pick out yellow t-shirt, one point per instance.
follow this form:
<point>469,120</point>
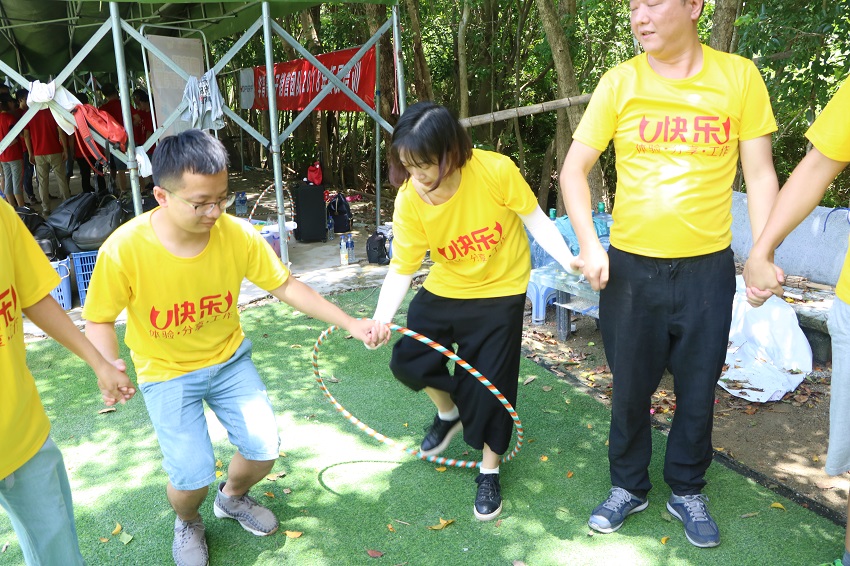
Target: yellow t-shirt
<point>830,134</point>
<point>181,312</point>
<point>26,277</point>
<point>676,143</point>
<point>477,241</point>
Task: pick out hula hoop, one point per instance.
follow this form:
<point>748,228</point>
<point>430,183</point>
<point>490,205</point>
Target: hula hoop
<point>415,451</point>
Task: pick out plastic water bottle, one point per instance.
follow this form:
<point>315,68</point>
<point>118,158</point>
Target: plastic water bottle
<point>330,229</point>
<point>343,250</point>
<point>241,204</point>
<point>602,220</point>
<point>349,242</point>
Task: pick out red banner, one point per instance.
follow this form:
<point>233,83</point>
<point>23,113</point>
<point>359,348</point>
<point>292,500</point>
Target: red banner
<point>298,82</point>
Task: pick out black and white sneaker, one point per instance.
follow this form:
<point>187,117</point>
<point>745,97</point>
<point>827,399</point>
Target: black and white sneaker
<point>488,500</point>
<point>439,436</point>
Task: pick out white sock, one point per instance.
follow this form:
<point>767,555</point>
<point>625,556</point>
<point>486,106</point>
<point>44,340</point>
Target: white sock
<point>484,470</point>
<point>452,415</point>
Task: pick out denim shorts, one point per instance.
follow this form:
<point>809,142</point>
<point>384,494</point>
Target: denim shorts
<point>237,396</point>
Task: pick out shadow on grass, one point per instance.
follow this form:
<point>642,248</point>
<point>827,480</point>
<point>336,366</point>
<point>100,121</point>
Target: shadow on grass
<point>343,490</point>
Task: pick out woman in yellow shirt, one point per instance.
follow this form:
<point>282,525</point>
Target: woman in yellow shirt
<point>467,207</point>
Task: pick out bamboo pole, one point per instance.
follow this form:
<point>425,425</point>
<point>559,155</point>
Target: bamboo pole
<point>510,113</point>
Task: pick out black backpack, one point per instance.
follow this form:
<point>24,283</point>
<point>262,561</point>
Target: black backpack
<point>340,213</point>
<point>376,249</point>
<point>71,213</point>
<point>42,232</point>
<point>94,231</point>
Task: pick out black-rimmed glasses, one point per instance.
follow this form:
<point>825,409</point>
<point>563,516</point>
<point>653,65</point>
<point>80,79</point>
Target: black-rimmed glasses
<point>206,208</point>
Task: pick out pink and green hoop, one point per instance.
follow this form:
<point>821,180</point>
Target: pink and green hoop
<point>415,451</point>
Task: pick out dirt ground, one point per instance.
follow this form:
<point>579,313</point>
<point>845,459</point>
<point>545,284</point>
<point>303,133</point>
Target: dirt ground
<point>780,444</point>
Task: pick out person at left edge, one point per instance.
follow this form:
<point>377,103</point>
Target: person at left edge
<point>34,488</point>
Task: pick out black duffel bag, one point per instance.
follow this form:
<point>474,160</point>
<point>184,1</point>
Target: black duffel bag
<point>92,233</point>
<point>69,215</point>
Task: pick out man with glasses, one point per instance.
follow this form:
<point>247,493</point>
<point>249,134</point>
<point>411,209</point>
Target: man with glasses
<point>177,270</point>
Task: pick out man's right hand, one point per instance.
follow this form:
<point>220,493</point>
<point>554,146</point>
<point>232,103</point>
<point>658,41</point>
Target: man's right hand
<point>763,279</point>
<point>595,270</point>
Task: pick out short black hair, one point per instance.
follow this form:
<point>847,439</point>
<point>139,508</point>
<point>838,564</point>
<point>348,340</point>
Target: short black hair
<point>428,134</point>
<point>21,93</point>
<point>141,95</point>
<point>108,89</point>
<point>191,151</point>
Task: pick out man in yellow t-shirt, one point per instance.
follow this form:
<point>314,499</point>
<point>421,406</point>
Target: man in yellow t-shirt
<point>680,115</point>
<point>177,270</point>
<point>34,487</point>
<point>830,154</point>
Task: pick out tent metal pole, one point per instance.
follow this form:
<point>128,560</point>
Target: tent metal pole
<point>402,91</point>
<point>377,138</point>
<point>274,146</point>
<point>124,93</point>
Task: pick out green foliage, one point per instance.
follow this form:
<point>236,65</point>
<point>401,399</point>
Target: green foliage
<point>802,50</point>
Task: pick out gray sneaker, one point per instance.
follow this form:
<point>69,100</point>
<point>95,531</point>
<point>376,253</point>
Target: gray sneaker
<point>253,517</point>
<point>610,514</point>
<point>700,528</point>
<point>190,545</point>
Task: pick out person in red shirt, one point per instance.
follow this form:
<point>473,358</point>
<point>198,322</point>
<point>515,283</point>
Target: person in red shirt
<point>47,145</point>
<point>79,154</point>
<point>112,106</point>
<point>29,170</point>
<point>11,160</point>
<point>142,123</point>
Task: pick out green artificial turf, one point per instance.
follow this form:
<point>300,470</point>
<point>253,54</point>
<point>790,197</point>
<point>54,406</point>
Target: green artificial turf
<point>343,489</point>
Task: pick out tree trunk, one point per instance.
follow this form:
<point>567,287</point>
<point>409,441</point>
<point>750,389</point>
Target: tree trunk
<point>463,76</point>
<point>422,75</point>
<point>376,15</point>
<point>567,86</point>
<point>546,176</point>
<point>723,24</point>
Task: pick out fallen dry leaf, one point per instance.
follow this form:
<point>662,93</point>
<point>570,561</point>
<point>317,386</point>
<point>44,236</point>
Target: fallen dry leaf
<point>374,553</point>
<point>498,523</point>
<point>293,534</point>
<point>275,476</point>
<point>777,505</point>
<point>101,539</point>
<point>546,388</point>
<point>295,345</point>
<point>441,468</point>
<point>287,491</point>
<point>390,528</point>
<point>664,540</point>
<point>589,425</point>
<point>443,524</point>
<point>544,458</point>
<point>517,563</point>
<point>332,379</point>
<point>268,494</point>
<point>117,529</point>
<point>218,464</point>
<point>218,473</point>
<point>282,454</point>
<point>749,515</point>
<point>107,410</point>
<point>529,379</point>
<point>570,474</point>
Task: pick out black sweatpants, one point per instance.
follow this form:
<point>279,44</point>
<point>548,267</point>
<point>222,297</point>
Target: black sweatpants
<point>658,314</point>
<point>488,335</point>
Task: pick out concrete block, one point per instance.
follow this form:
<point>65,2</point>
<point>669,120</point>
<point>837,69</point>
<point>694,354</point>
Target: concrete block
<point>808,251</point>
